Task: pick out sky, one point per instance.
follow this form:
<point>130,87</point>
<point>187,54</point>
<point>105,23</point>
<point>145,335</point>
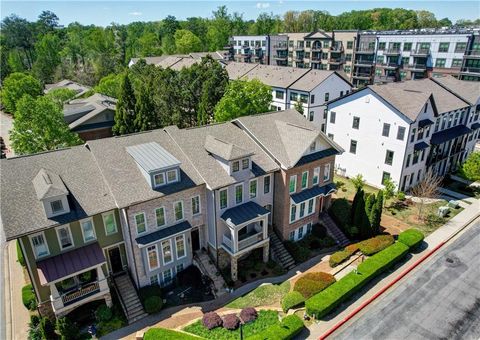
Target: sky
<point>121,11</point>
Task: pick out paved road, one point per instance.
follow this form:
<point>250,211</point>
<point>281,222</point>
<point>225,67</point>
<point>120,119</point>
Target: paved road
<point>440,300</point>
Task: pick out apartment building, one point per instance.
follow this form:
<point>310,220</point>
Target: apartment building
<point>345,40</point>
<point>278,50</point>
<point>251,48</point>
<point>290,85</point>
<point>471,60</point>
<point>398,130</point>
<point>305,158</point>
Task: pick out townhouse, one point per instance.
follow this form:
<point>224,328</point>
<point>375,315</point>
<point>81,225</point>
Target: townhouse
<point>67,225</point>
<point>411,126</point>
<point>312,88</point>
<point>239,189</point>
<point>305,157</point>
<point>79,89</point>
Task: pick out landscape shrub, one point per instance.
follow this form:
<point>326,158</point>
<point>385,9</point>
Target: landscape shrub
<point>248,314</point>
<point>28,297</point>
<point>168,334</point>
<point>231,322</point>
<point>340,212</point>
<point>33,328</point>
<point>109,326</point>
<point>401,196</point>
<point>339,257</point>
<point>211,320</point>
<point>147,291</point>
<point>375,244</point>
<point>292,299</point>
<point>290,326</point>
<point>300,253</point>
<point>66,329</point>
<point>352,248</point>
<point>47,329</point>
<point>20,257</point>
<point>325,301</point>
<point>153,304</point>
<point>310,284</point>
<point>319,230</point>
<point>103,313</point>
<point>411,237</point>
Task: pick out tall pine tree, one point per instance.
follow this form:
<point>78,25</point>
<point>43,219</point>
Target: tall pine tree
<point>354,205</point>
<point>125,111</point>
<point>145,118</point>
<point>369,203</point>
<point>376,213</point>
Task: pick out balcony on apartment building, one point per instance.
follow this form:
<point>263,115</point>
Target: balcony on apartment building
<point>336,48</point>
<point>316,47</point>
<point>363,62</point>
<point>388,65</point>
<point>75,277</point>
<point>385,79</point>
<point>365,50</point>
<point>415,67</point>
<point>421,52</point>
<point>280,57</point>
<point>470,71</point>
<point>298,57</point>
<point>245,227</point>
<point>472,54</point>
<point>316,59</point>
<point>393,51</point>
<point>336,61</point>
<point>362,75</point>
<point>280,47</point>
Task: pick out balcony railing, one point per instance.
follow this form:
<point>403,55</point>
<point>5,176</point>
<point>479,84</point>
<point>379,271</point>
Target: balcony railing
<point>83,291</point>
<point>366,63</point>
<point>248,241</point>
<point>253,236</point>
<point>335,60</point>
<point>280,47</point>
<point>299,48</point>
<point>421,52</point>
<point>421,67</point>
<point>472,53</point>
<point>366,50</point>
<point>388,65</point>
<point>470,70</point>
<point>392,51</point>
<point>316,48</point>
<point>362,75</point>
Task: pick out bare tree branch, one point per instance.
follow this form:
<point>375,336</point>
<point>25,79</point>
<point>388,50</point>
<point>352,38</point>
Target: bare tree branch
<point>426,189</point>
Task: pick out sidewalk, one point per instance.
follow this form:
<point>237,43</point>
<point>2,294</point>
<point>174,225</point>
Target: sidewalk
<point>432,241</point>
<point>16,316</point>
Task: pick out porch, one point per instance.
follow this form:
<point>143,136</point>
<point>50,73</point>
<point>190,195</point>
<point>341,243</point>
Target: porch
<point>75,278</point>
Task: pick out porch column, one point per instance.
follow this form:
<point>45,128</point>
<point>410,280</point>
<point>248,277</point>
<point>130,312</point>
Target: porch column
<point>265,227</point>
<point>234,268</point>
<point>55,298</point>
<point>235,240</point>
<point>103,285</point>
<point>266,252</point>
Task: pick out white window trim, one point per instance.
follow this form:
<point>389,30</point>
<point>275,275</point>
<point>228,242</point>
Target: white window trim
<point>317,170</point>
<point>60,212</point>
<point>199,206</point>
<point>33,247</point>
<point>328,172</point>
<point>65,226</point>
<point>248,160</point>
<point>105,225</point>
<point>220,199</point>
<point>176,176</point>
<point>301,183</point>
<point>163,276</point>
<point>184,247</point>
<point>164,180</point>
<point>144,221</point>
<point>164,217</point>
<point>93,226</point>
<point>256,189</point>
<point>269,184</point>
<point>171,251</point>
<point>156,276</point>
<point>175,212</point>
<point>233,170</point>
<point>148,258</point>
<point>235,192</point>
<point>294,186</point>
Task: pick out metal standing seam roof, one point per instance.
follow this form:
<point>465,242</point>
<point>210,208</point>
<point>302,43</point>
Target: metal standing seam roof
<point>152,157</point>
<point>449,134</point>
<point>420,146</point>
<point>317,155</point>
<point>475,126</point>
<point>243,213</point>
<point>424,122</point>
<point>163,233</point>
<point>307,194</point>
<point>66,264</point>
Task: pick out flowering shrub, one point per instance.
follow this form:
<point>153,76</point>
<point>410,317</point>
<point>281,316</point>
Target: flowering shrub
<point>248,314</point>
<point>211,320</point>
<point>312,283</point>
<point>231,322</point>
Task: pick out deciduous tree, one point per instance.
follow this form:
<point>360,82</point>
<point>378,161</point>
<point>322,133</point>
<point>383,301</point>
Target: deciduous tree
<point>471,168</point>
<point>425,190</point>
<point>15,86</point>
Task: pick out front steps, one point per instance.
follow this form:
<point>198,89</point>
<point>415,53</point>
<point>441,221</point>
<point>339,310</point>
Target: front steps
<point>132,305</point>
<point>333,230</point>
<point>280,253</point>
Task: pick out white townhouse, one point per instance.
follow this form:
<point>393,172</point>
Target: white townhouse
<point>312,88</point>
<point>398,131</point>
<point>239,189</point>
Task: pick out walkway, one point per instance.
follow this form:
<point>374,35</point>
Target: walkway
<point>6,124</point>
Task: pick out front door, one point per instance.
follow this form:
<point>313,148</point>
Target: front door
<point>115,260</point>
<point>196,239</point>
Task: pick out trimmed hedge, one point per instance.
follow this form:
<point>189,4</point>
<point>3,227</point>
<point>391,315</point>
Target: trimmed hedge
<point>375,244</point>
<point>340,212</point>
<point>339,257</point>
<point>312,283</point>
<point>153,304</point>
<point>292,299</point>
<point>325,301</point>
<point>28,297</point>
<point>168,334</point>
<point>290,326</point>
<point>411,237</point>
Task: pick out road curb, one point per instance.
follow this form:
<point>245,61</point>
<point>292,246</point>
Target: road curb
<point>398,278</point>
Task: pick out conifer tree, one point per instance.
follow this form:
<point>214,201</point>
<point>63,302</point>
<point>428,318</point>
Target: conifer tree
<point>369,203</point>
<point>125,111</point>
<point>145,118</point>
<point>376,213</point>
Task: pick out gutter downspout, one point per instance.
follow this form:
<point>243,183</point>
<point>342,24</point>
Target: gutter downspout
<point>125,216</point>
<point>215,224</point>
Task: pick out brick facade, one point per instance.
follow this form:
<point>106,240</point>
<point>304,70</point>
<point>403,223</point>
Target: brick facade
<point>95,134</point>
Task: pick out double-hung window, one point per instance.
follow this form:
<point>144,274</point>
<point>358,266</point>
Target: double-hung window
<point>316,174</point>
<point>401,133</point>
<point>56,206</point>
<point>310,206</point>
<point>160,216</point>
<point>356,123</point>
<point>39,245</point>
<point>326,172</point>
<point>304,179</point>
<point>167,252</point>
<point>293,212</point>
<point>353,146</point>
<point>110,223</point>
<point>386,130</point>
<point>266,184</point>
<point>333,115</point>
<point>253,188</point>
<point>178,208</point>
<point>88,230</point>
<point>223,198</point>
<point>239,194</point>
<point>293,184</point>
<point>172,176</point>
<point>389,157</point>
<point>302,209</point>
<point>245,163</point>
<point>180,245</point>
<point>140,222</point>
<point>235,166</point>
<point>152,255</point>
<point>167,277</point>
<point>64,237</point>
<point>196,205</point>
<point>159,179</point>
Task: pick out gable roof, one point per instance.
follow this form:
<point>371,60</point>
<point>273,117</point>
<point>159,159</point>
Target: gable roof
<point>286,135</point>
<point>191,141</point>
<point>225,150</point>
<point>237,70</point>
<point>48,184</point>
<point>313,78</point>
<point>168,61</point>
<point>184,62</point>
<point>23,213</point>
<point>318,35</point>
<point>152,157</point>
<point>277,76</point>
<point>68,84</point>
<point>87,108</point>
<point>469,91</point>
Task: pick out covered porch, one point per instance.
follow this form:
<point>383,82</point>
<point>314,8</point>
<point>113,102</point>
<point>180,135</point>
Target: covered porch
<point>75,278</point>
<point>245,229</point>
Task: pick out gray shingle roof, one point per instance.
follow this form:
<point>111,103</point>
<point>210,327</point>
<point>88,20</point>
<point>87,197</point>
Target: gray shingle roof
<point>152,157</point>
<point>278,76</point>
<point>68,84</point>
<point>48,184</point>
<point>192,142</point>
<point>312,79</point>
<point>225,150</point>
<point>123,176</point>
<point>286,135</point>
<point>21,210</point>
<point>98,102</point>
<point>467,90</point>
<point>184,62</point>
<point>238,70</point>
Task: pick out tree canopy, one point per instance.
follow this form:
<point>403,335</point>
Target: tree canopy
<point>471,168</point>
<point>15,86</point>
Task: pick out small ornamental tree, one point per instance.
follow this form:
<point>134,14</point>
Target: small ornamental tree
<point>471,168</point>
<point>389,189</point>
<point>358,182</point>
<point>426,189</point>
<point>211,320</point>
<point>376,213</point>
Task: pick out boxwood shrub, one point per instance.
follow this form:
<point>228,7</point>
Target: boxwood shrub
<point>290,326</point>
<point>167,334</point>
<point>325,301</point>
<point>339,257</point>
<point>153,304</point>
<point>375,244</point>
<point>28,297</point>
<point>310,284</point>
<point>299,252</point>
<point>292,299</point>
<point>411,237</point>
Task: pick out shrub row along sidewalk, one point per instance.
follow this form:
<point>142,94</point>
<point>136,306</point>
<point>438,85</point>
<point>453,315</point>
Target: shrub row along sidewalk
<point>322,303</point>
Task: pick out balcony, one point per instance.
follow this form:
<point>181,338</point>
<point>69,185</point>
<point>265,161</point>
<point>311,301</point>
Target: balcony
<point>336,49</point>
<point>365,50</point>
<point>421,52</point>
<point>316,60</point>
<point>298,58</point>
<point>392,51</point>
<point>471,70</point>
<point>473,54</point>
<point>335,61</point>
<point>416,67</point>
<point>388,66</point>
<point>363,63</point>
<point>246,240</point>
<point>316,48</point>
<point>385,79</point>
<point>280,47</point>
<point>364,76</point>
<point>280,57</point>
<point>299,48</point>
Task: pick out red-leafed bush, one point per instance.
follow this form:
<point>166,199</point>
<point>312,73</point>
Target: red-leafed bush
<point>211,320</point>
<point>231,322</point>
<point>310,284</point>
<point>248,314</point>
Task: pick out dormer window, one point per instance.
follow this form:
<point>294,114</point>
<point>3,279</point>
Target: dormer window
<point>229,155</point>
<point>159,179</point>
<point>52,192</point>
<point>172,176</point>
<point>245,163</point>
<point>235,166</point>
<point>57,206</point>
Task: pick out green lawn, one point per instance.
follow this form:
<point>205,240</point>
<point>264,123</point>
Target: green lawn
<point>264,295</point>
<point>347,190</point>
<point>266,318</point>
